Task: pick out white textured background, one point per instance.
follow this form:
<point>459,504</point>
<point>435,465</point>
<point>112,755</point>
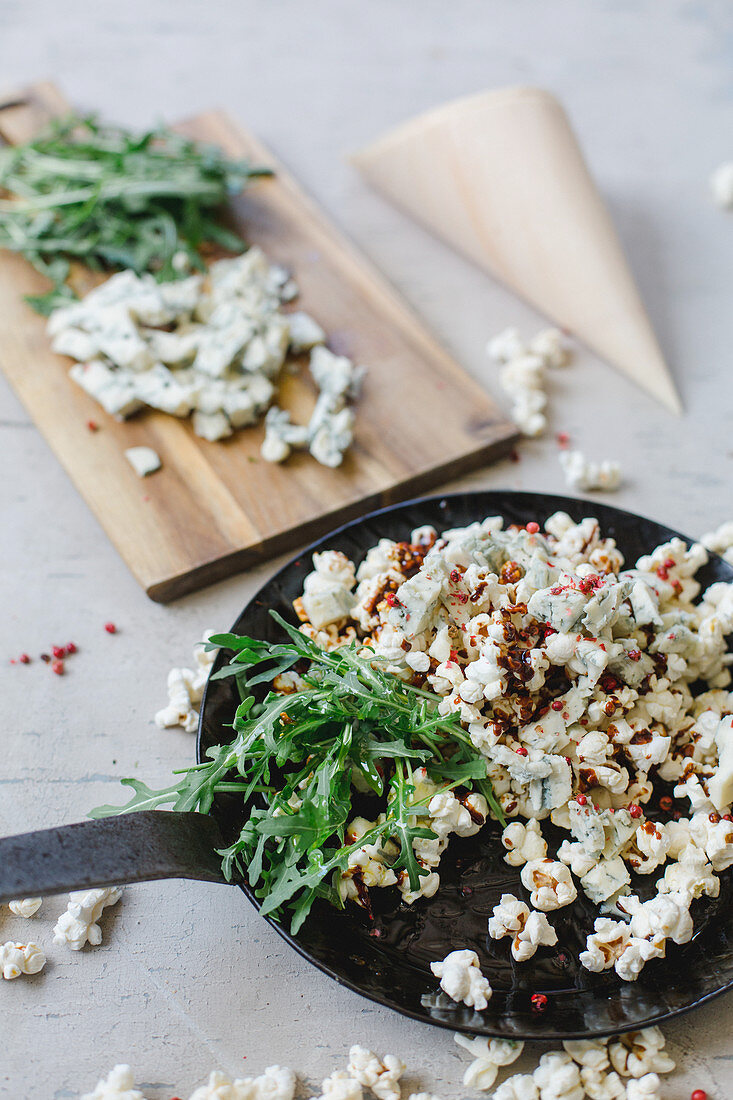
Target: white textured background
<point>188,978</point>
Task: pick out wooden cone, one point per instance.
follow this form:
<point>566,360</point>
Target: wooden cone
<point>500,177</point>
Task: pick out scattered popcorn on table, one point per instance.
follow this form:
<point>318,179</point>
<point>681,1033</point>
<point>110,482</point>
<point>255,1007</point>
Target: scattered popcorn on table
<point>341,1086</point>
<point>523,373</point>
<point>461,978</point>
<point>276,1083</point>
<point>185,689</point>
<point>640,1052</point>
<point>489,1056</point>
<point>118,1085</point>
<point>381,1075</point>
<point>721,184</point>
<point>720,541</point>
<point>586,476</point>
<point>645,1088</point>
<point>20,958</point>
<point>78,925</point>
<point>25,907</point>
<point>558,1077</point>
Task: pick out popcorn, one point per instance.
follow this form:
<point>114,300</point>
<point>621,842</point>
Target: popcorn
<point>721,184</point>
<point>523,843</point>
<point>382,1076</point>
<point>341,1086</point>
<point>78,925</point>
<point>571,674</point>
<point>489,1055</point>
<point>20,958</point>
<point>529,930</point>
<point>276,1083</point>
<point>585,476</point>
<point>118,1085</point>
<point>645,1088</point>
<point>185,690</point>
<point>550,883</point>
<point>720,541</point>
<point>461,978</point>
<point>519,1087</point>
<point>602,1086</point>
<point>640,1052</point>
<point>523,373</point>
<point>558,1077</point>
<point>605,945</point>
<point>25,907</point>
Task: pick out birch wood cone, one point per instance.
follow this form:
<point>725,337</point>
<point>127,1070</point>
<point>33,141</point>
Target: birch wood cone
<point>501,178</point>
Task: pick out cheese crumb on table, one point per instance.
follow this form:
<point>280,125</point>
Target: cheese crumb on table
<point>20,958</point>
<point>78,925</point>
<point>144,460</point>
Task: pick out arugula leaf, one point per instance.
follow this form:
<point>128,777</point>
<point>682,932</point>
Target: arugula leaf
<point>293,759</point>
<point>108,198</point>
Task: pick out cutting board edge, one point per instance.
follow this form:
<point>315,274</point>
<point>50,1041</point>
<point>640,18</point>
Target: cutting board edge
<point>218,569</point>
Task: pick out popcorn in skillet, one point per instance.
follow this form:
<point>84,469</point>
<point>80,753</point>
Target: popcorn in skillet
<point>572,676</point>
<point>25,907</point>
<point>78,924</point>
<point>118,1085</point>
<point>20,958</point>
<point>528,929</point>
<point>489,1055</point>
<point>523,373</point>
<point>461,978</point>
<point>584,475</point>
<point>185,689</point>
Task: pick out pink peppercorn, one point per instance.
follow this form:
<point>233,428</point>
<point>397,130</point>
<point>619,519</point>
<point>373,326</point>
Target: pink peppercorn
<point>70,648</point>
<point>58,652</point>
<point>538,1002</point>
<point>110,628</point>
<point>699,1094</point>
<point>57,667</point>
<point>521,751</point>
<point>557,704</point>
<point>24,659</point>
<point>581,799</point>
<point>635,811</point>
<point>533,528</point>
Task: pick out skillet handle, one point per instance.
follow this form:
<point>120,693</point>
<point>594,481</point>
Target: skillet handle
<point>137,847</point>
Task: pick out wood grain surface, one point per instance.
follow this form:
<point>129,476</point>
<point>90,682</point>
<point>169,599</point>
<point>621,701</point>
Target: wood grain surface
<point>215,508</point>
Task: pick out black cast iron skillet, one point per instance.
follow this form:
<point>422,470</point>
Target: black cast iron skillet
<point>387,958</point>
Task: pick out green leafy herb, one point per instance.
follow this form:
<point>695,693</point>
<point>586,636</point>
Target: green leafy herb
<point>349,717</point>
<point>111,199</point>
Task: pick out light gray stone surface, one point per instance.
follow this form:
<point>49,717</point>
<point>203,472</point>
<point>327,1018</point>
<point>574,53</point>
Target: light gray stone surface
<point>188,978</point>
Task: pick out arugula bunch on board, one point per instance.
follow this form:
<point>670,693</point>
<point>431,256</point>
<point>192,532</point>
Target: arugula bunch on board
<point>349,717</point>
<point>98,194</point>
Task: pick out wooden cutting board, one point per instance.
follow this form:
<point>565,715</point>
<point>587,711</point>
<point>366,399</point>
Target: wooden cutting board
<point>215,508</point>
